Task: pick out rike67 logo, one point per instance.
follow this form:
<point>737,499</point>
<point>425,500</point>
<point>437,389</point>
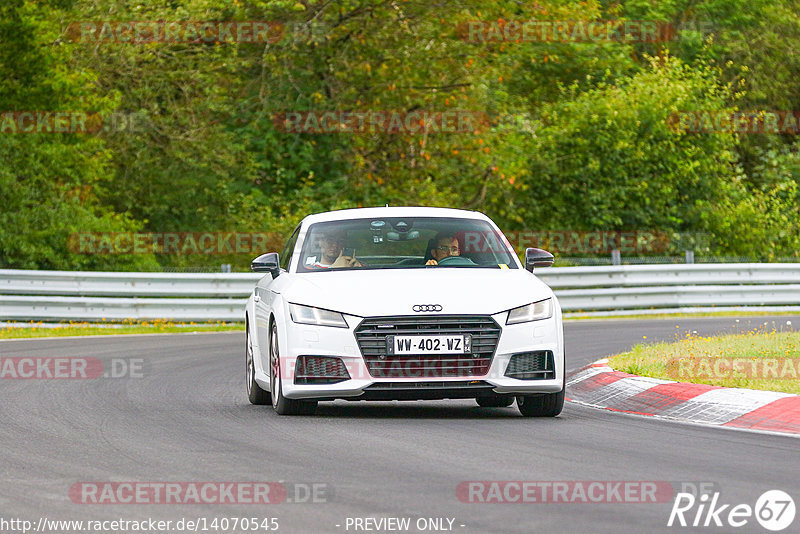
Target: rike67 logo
<point>774,510</point>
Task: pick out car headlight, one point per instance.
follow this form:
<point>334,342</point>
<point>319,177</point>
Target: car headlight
<point>534,311</point>
<point>309,315</point>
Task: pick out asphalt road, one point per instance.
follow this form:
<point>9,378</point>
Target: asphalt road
<point>187,419</point>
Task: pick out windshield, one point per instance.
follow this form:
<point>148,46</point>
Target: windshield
<point>404,243</point>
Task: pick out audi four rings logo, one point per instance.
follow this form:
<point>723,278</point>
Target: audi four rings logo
<point>427,307</point>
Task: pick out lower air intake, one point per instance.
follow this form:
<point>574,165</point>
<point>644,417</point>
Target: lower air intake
<point>320,370</point>
<point>536,365</point>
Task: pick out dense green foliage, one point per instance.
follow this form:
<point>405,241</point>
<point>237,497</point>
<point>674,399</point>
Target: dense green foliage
<point>578,138</point>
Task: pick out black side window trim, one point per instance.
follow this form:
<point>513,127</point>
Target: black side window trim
<point>286,255</point>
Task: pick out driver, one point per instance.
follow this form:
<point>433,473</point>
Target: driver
<point>446,246</point>
<point>331,244</point>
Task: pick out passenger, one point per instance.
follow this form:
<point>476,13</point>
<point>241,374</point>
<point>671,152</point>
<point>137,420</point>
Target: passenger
<point>331,245</point>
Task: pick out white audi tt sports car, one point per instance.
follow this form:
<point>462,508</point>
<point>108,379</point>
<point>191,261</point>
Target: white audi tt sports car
<point>403,303</point>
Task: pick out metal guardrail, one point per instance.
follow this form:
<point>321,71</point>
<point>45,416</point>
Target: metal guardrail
<point>111,284</point>
<point>93,296</point>
<point>671,275</point>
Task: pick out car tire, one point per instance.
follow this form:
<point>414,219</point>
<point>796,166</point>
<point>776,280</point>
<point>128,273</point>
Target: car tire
<point>544,405</point>
<point>496,401</point>
<point>255,394</point>
<point>281,404</point>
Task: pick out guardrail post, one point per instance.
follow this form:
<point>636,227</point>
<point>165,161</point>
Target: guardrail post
<point>616,257</point>
<point>226,268</point>
<point>690,256</point>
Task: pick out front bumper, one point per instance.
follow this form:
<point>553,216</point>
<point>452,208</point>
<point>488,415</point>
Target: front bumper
<point>305,340</point>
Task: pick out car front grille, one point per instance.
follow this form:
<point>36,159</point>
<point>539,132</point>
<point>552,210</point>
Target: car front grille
<point>371,336</point>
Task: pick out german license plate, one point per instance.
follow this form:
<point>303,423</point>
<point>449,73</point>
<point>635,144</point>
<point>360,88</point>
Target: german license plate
<point>437,344</point>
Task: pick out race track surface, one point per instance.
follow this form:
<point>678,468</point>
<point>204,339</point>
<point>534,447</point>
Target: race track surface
<point>187,419</point>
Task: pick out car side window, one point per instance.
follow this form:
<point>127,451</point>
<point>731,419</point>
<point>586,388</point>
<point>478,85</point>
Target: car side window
<point>286,255</point>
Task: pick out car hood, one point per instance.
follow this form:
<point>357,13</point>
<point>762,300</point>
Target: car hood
<point>377,292</point>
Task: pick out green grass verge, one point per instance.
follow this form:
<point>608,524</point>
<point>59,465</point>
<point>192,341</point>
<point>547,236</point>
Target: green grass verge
<point>766,360</point>
<point>106,329</point>
<point>677,315</point>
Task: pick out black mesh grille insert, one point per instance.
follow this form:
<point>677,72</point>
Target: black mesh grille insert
<point>320,370</point>
<point>532,365</point>
<point>372,332</point>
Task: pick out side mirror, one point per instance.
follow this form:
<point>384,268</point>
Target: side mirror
<point>536,257</point>
<point>267,263</point>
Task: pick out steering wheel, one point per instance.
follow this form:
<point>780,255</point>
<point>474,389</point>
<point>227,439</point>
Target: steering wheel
<point>455,260</point>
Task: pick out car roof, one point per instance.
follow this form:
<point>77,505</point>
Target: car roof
<point>393,211</point>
